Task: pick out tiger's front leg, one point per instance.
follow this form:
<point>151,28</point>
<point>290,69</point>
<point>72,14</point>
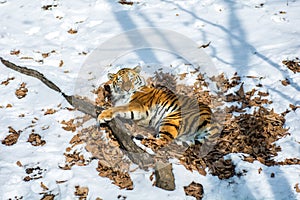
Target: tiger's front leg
<point>130,111</point>
<point>105,115</point>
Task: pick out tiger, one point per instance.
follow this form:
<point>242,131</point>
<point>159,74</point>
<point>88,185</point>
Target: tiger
<point>174,117</point>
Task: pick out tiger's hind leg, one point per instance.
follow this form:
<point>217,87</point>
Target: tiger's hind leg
<point>169,127</point>
<point>209,133</point>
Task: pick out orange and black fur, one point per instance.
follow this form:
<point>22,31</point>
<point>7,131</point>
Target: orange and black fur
<point>173,116</point>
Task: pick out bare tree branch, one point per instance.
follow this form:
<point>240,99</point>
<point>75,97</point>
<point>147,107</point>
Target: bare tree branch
<point>121,133</point>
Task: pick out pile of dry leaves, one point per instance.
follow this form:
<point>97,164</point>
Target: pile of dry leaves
<point>102,145</point>
<point>252,133</point>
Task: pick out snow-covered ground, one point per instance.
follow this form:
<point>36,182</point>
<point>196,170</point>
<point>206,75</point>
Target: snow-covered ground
<point>248,37</point>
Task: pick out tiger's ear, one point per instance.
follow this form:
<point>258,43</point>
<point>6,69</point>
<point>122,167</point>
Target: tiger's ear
<point>110,76</point>
<point>137,69</point>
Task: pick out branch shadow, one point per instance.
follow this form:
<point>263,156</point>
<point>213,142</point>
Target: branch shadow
<point>126,23</point>
<point>240,48</point>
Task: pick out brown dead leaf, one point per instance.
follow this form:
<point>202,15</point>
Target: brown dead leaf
<point>254,77</point>
<point>74,158</point>
<point>259,170</point>
<point>15,52</point>
<point>12,138</point>
<point>81,192</point>
<point>19,163</point>
<point>297,188</point>
<point>151,176</point>
<point>61,63</point>
<point>50,111</point>
<point>48,197</point>
<point>293,65</point>
<point>76,140</point>
<point>293,107</point>
<point>125,2</point>
<point>69,125</point>
<point>194,189</point>
<point>45,127</point>
<point>33,173</point>
<point>35,140</point>
<point>205,45</point>
<point>241,92</point>
<point>45,55</point>
<point>72,31</point>
<point>249,159</point>
<point>27,178</point>
<point>49,7</point>
<point>21,92</point>
<point>83,53</point>
<point>285,82</point>
<point>263,94</point>
<point>182,76</point>
<point>27,58</point>
<point>44,187</point>
<point>6,82</point>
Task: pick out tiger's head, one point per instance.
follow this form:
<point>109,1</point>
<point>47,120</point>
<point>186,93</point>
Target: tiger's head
<point>125,82</point>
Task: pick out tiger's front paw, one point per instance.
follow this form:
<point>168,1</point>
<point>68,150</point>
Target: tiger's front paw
<point>104,116</point>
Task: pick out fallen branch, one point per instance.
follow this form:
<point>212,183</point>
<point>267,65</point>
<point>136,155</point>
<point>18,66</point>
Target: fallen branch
<point>135,153</point>
<point>121,133</point>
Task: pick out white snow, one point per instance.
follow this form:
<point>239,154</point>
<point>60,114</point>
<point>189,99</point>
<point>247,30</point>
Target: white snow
<point>248,37</point>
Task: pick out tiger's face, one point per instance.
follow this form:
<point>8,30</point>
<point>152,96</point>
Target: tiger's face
<point>125,82</point>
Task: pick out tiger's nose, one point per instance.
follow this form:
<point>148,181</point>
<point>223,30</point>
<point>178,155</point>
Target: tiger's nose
<point>126,86</point>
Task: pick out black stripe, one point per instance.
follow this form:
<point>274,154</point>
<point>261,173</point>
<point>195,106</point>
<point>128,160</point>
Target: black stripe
<point>165,103</point>
<point>169,124</point>
<point>174,114</point>
<point>139,96</point>
<point>204,123</point>
<point>189,124</point>
<point>155,97</point>
<point>147,113</point>
<point>172,103</point>
<point>185,102</point>
<point>167,134</point>
<point>151,100</point>
<point>132,115</point>
<point>184,121</point>
<point>159,109</point>
<point>175,108</point>
<point>139,79</point>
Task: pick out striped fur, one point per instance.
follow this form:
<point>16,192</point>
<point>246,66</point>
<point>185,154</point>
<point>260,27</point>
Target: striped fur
<point>173,116</point>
